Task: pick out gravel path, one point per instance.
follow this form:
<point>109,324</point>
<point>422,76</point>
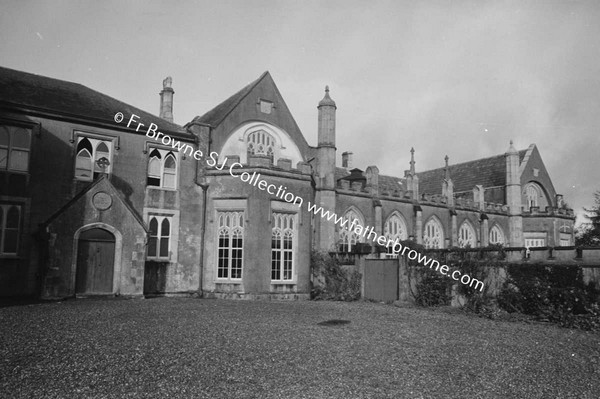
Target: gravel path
<point>198,348</point>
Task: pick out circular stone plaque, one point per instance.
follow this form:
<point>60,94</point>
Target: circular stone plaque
<point>102,201</point>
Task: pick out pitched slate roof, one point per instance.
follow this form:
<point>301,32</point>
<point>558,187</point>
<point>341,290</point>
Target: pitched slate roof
<point>390,184</point>
<point>489,172</point>
<point>216,115</point>
<point>35,92</point>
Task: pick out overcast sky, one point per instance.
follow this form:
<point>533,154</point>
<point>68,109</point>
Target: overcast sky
<point>460,78</point>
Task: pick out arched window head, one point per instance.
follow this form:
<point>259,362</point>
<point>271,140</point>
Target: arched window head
<point>261,143</point>
<point>348,234</point>
<point>496,236</point>
<point>466,236</point>
<point>10,216</point>
<point>162,169</point>
<point>394,229</point>
<point>433,235</point>
<point>532,194</point>
<point>93,158</point>
<point>159,237</point>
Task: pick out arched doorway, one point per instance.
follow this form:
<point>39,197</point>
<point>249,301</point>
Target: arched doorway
<point>95,262</point>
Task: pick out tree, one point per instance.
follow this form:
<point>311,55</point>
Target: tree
<point>589,234</point>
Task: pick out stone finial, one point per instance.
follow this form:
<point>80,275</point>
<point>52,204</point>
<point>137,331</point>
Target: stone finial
<point>327,101</point>
<point>412,161</point>
<point>167,82</point>
<point>511,149</point>
<point>446,169</point>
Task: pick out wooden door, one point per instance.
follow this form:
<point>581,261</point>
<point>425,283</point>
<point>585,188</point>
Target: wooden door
<point>95,262</point>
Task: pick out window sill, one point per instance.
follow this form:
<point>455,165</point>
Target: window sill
<point>284,282</point>
<point>161,188</point>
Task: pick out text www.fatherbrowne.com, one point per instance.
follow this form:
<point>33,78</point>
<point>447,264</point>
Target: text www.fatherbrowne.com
<point>368,232</point>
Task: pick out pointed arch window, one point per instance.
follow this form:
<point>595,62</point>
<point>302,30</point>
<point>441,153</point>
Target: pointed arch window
<point>159,242</point>
<point>283,237</point>
<point>10,223</point>
<point>466,236</point>
<point>230,236</point>
<point>15,143</point>
<point>162,168</point>
<point>496,236</point>
<point>394,229</point>
<point>433,234</point>
<point>93,158</point>
<point>261,143</point>
<point>532,194</point>
<point>348,236</point>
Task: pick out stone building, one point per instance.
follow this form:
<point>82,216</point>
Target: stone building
<point>90,204</point>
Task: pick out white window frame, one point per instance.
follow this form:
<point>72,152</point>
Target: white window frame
<point>496,236</point>
<point>261,138</point>
<point>10,148</point>
<point>394,228</point>
<point>94,141</point>
<point>534,239</point>
<point>433,234</point>
<point>159,237</point>
<point>4,209</point>
<point>348,237</point>
<point>532,195</point>
<point>235,228</point>
<point>284,224</point>
<point>467,236</point>
<point>164,153</point>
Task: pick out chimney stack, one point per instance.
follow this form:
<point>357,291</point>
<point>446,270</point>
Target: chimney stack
<point>347,160</point>
<point>166,100</point>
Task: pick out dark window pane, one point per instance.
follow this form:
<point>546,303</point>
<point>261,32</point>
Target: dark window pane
<point>12,218</point>
<point>152,246</point>
<point>153,227</point>
<point>165,228</point>
<point>164,247</point>
<point>10,241</point>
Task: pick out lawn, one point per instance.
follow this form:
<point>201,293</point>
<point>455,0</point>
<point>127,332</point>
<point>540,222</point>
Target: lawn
<point>200,348</point>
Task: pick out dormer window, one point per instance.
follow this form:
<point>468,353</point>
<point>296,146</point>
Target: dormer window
<point>261,143</point>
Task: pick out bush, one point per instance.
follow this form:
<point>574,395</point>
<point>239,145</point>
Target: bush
<point>551,293</point>
<point>330,281</point>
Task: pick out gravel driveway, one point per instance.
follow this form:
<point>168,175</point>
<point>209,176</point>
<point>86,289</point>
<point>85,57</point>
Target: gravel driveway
<point>200,348</point>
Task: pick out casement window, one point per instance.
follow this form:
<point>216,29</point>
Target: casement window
<point>496,236</point>
<point>348,237</point>
<point>94,158</point>
<point>10,222</point>
<point>230,237</point>
<point>394,229</point>
<point>535,239</point>
<point>261,143</point>
<point>433,235</point>
<point>15,144</point>
<point>159,243</point>
<point>283,238</point>
<point>162,168</point>
<point>466,236</point>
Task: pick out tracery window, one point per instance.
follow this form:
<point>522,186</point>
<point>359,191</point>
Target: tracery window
<point>15,143</point>
<point>230,235</point>
<point>395,228</point>
<point>433,235</point>
<point>283,237</point>
<point>348,237</point>
<point>160,237</point>
<point>94,157</point>
<point>162,168</point>
<point>10,222</point>
<point>496,236</point>
<point>466,236</point>
<point>532,194</point>
<point>261,143</point>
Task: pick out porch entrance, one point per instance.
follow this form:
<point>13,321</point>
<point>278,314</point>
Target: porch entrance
<point>95,262</point>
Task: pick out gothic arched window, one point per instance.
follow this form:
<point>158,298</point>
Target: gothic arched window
<point>348,237</point>
<point>395,228</point>
<point>532,194</point>
<point>230,244</point>
<point>160,237</point>
<point>466,235</point>
<point>162,168</point>
<point>261,143</point>
<point>93,158</point>
<point>433,234</point>
<point>496,236</point>
<point>282,246</point>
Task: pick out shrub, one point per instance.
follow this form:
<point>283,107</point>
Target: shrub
<point>330,281</point>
